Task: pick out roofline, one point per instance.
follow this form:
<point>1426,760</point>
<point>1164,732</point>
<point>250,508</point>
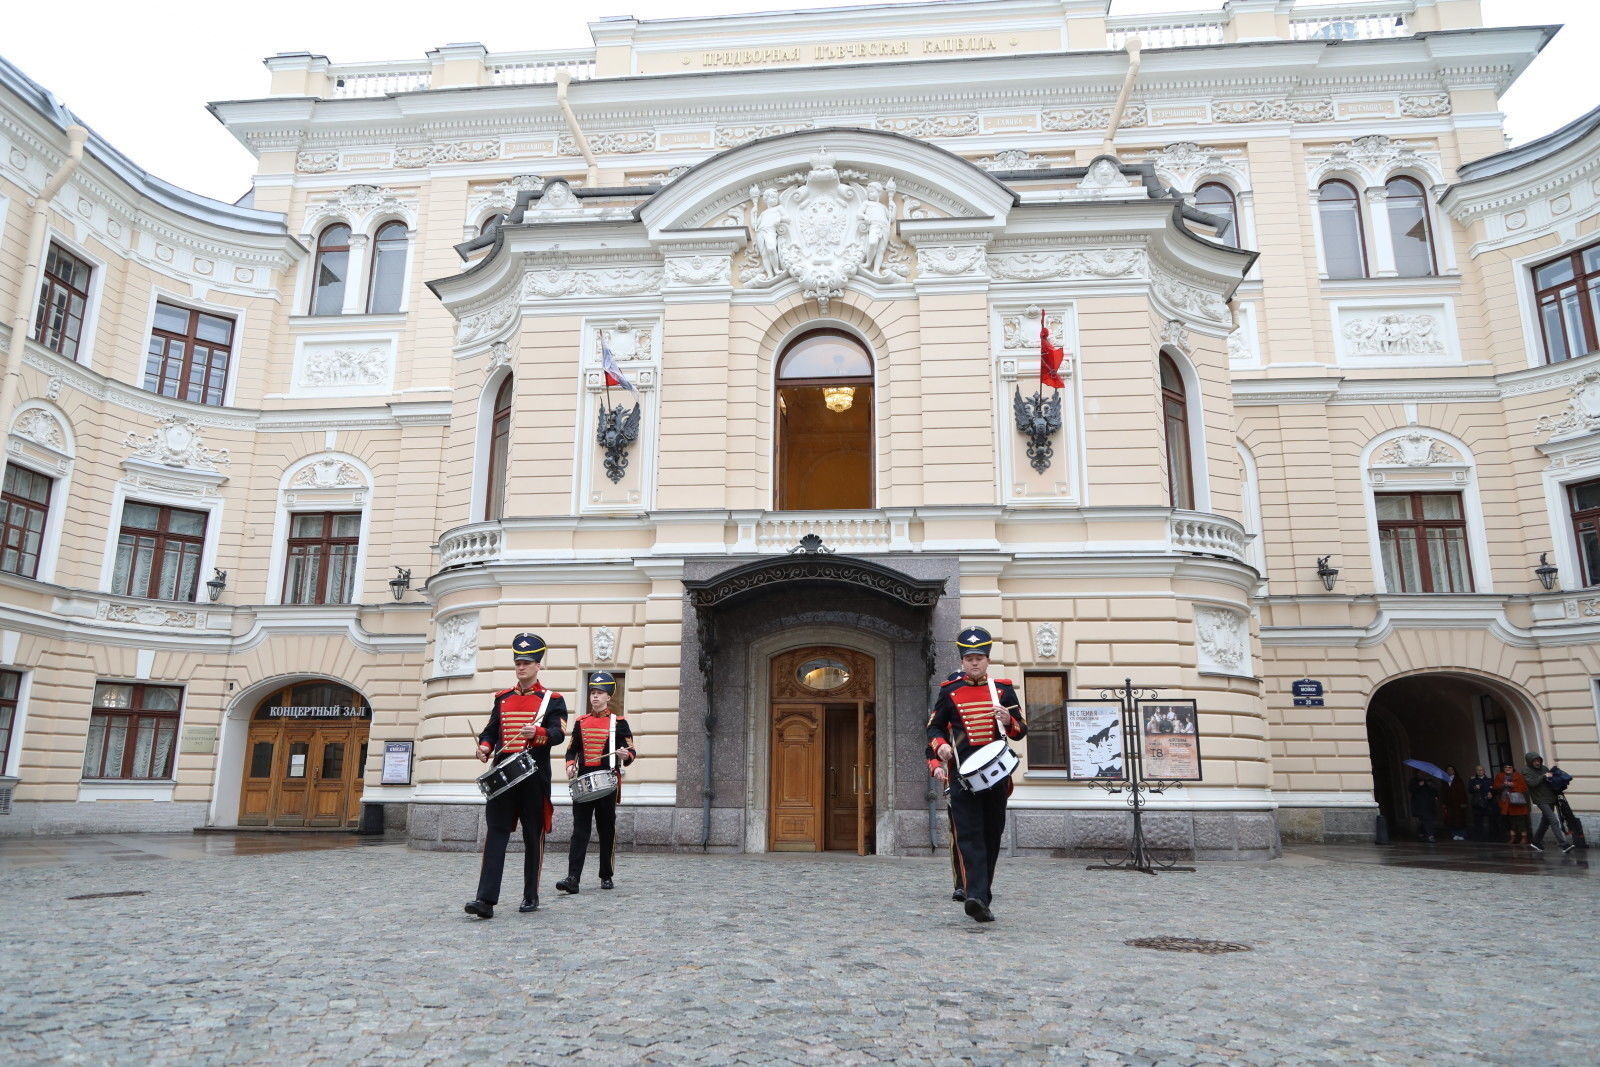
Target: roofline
<point>1548,145</point>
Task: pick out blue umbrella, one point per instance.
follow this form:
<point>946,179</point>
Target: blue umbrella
<point>1427,768</point>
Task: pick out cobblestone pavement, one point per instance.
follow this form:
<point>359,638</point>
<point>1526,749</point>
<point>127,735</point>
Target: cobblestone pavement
<point>362,955</point>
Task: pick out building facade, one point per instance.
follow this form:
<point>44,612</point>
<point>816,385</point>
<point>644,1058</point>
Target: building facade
<point>283,480</point>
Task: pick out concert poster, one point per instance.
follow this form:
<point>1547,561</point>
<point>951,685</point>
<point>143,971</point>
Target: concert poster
<point>1094,739</point>
<point>1169,732</point>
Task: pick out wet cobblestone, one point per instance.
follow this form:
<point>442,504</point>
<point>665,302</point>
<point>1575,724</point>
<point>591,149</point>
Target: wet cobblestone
<point>363,955</point>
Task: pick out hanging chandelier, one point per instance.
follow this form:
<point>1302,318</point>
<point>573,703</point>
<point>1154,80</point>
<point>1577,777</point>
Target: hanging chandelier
<point>838,397</point>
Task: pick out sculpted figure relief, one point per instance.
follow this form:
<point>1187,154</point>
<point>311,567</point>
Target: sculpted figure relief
<point>824,230</point>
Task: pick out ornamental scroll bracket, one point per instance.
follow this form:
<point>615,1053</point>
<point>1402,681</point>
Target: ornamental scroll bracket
<point>616,429</point>
<point>1038,419</point>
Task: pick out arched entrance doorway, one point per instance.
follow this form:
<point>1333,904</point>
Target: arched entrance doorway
<point>824,737</point>
<point>1440,718</point>
<point>304,757</point>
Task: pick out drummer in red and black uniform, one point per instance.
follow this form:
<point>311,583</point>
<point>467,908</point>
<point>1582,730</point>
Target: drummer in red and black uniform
<point>526,716</point>
<point>590,750</point>
<point>971,712</point>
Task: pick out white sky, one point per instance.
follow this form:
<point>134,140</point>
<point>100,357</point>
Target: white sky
<point>142,73</point>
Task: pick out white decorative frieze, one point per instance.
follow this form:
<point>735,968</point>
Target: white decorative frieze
<point>568,282</point>
<point>499,356</point>
<point>1046,641</point>
<point>410,157</point>
<point>456,645</point>
<point>1222,641</point>
<point>40,427</point>
<point>359,206</point>
<point>1416,449</point>
<point>1075,265</point>
<point>1373,158</point>
<point>1582,415</point>
<point>931,125</point>
<point>345,367</point>
<point>1020,331</point>
<point>1015,159</point>
<point>610,143</point>
<point>1272,111</point>
<point>603,645</point>
<point>176,442</point>
<point>319,161</point>
<point>1189,300</point>
<point>1092,118</point>
<point>1176,334</point>
<point>1427,106</point>
<point>733,136</point>
<point>823,230</point>
<point>484,323</point>
<point>147,615</point>
<point>1394,332</point>
<point>698,270</point>
<point>950,261</point>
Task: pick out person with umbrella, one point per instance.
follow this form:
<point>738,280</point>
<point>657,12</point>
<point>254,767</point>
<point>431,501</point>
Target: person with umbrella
<point>1425,798</point>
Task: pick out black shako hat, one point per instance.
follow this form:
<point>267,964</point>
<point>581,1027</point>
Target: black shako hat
<point>974,639</point>
<point>604,681</point>
<point>527,647</point>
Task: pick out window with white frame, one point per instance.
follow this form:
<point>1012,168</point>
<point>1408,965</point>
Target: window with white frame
<point>499,453</point>
<point>1217,199</point>
<point>133,731</point>
<point>24,511</point>
<point>10,695</point>
<point>322,550</point>
<point>1567,292</point>
<point>1175,426</point>
<point>331,272</point>
<point>386,283</point>
<point>1409,233</point>
<point>158,552</point>
<point>1422,538</point>
<point>63,302</point>
<point>188,354</point>
<point>1344,243</point>
<point>1583,504</point>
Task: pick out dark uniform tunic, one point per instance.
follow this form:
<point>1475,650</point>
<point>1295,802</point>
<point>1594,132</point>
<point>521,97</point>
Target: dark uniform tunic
<point>527,802</point>
<point>588,751</point>
<point>963,717</point>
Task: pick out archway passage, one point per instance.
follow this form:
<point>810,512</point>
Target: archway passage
<point>824,419</point>
<point>824,733</point>
<point>1448,720</point>
<point>304,757</point>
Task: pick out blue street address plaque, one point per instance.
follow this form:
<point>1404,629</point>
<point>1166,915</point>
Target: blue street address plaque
<point>1307,693</point>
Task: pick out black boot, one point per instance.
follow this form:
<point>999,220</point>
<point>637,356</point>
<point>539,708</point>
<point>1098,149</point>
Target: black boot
<point>528,904</point>
<point>568,884</point>
<point>481,908</point>
<point>606,883</point>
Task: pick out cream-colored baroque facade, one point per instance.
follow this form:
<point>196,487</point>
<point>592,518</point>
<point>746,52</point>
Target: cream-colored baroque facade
<point>283,480</point>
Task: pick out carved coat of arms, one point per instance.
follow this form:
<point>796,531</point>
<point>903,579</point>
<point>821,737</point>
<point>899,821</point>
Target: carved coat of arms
<point>824,230</point>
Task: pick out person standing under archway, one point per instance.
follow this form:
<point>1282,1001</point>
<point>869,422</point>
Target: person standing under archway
<point>1512,791</point>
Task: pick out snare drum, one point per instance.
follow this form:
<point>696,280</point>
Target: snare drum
<point>988,766</point>
<point>503,776</point>
<point>596,785</point>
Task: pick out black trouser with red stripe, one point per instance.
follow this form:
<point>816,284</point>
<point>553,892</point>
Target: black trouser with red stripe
<point>980,823</point>
<point>603,812</point>
<point>522,803</point>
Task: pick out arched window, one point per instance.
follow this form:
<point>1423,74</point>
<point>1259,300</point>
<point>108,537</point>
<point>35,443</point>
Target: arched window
<point>491,223</point>
<point>332,270</point>
<point>1408,228</point>
<point>1214,198</point>
<point>1175,420</point>
<point>1343,246</point>
<point>499,453</point>
<point>824,420</point>
<point>386,287</point>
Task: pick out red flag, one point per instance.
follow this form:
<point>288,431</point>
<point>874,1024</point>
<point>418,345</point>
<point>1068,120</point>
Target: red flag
<point>1050,356</point>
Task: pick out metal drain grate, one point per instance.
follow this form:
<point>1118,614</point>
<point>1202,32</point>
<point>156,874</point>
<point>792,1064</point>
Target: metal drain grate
<point>118,893</point>
<point>1187,944</point>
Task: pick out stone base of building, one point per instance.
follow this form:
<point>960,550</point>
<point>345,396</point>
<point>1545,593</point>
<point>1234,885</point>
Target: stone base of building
<point>41,817</point>
<point>1328,826</point>
<point>1206,835</point>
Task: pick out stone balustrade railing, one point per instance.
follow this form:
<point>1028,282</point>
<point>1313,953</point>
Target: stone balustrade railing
<point>863,534</point>
<point>1206,534</point>
<point>472,544</point>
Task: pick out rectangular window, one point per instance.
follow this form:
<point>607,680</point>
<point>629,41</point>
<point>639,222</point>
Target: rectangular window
<point>1044,696</point>
<point>132,731</point>
<point>1568,294</point>
<point>1423,539</point>
<point>322,557</point>
<point>188,354</point>
<point>10,690</point>
<point>63,300</point>
<point>24,506</point>
<point>158,552</point>
<point>1584,501</point>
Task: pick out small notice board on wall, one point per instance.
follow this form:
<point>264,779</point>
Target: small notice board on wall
<point>396,763</point>
<point>1169,738</point>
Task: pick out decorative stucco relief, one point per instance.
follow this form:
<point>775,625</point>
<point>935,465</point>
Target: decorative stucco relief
<point>931,126</point>
<point>1092,118</point>
<point>147,615</point>
<point>698,270</point>
<point>1583,411</point>
<point>328,472</point>
<point>1222,641</point>
<point>1272,111</point>
<point>733,136</point>
<point>42,428</point>
<point>1046,640</point>
<point>1015,159</point>
<point>948,261</point>
<point>471,151</point>
<point>332,368</point>
<point>1374,157</point>
<point>1021,330</point>
<point>456,645</point>
<point>176,443</point>
<point>1416,449</point>
<point>502,197</point>
<point>1176,334</point>
<point>604,644</point>
<point>1068,266</point>
<point>1394,334</point>
<point>560,282</point>
<point>358,205</point>
<point>610,143</point>
<point>481,324</point>
<point>1189,300</point>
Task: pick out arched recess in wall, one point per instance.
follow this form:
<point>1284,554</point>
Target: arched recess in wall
<point>1425,522</point>
<point>850,469</point>
<point>320,531</point>
<point>40,449</point>
<point>1255,552</point>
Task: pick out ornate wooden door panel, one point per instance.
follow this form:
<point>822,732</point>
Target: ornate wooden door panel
<point>867,796</point>
<point>843,777</point>
<point>796,814</point>
<point>294,776</point>
<point>255,798</point>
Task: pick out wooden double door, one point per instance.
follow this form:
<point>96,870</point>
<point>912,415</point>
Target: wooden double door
<point>823,744</point>
<point>305,771</point>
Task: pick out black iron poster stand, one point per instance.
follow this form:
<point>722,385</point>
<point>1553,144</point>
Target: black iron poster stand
<point>1139,857</point>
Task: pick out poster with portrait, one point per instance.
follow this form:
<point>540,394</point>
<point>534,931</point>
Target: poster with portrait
<point>1094,739</point>
<point>1169,733</point>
